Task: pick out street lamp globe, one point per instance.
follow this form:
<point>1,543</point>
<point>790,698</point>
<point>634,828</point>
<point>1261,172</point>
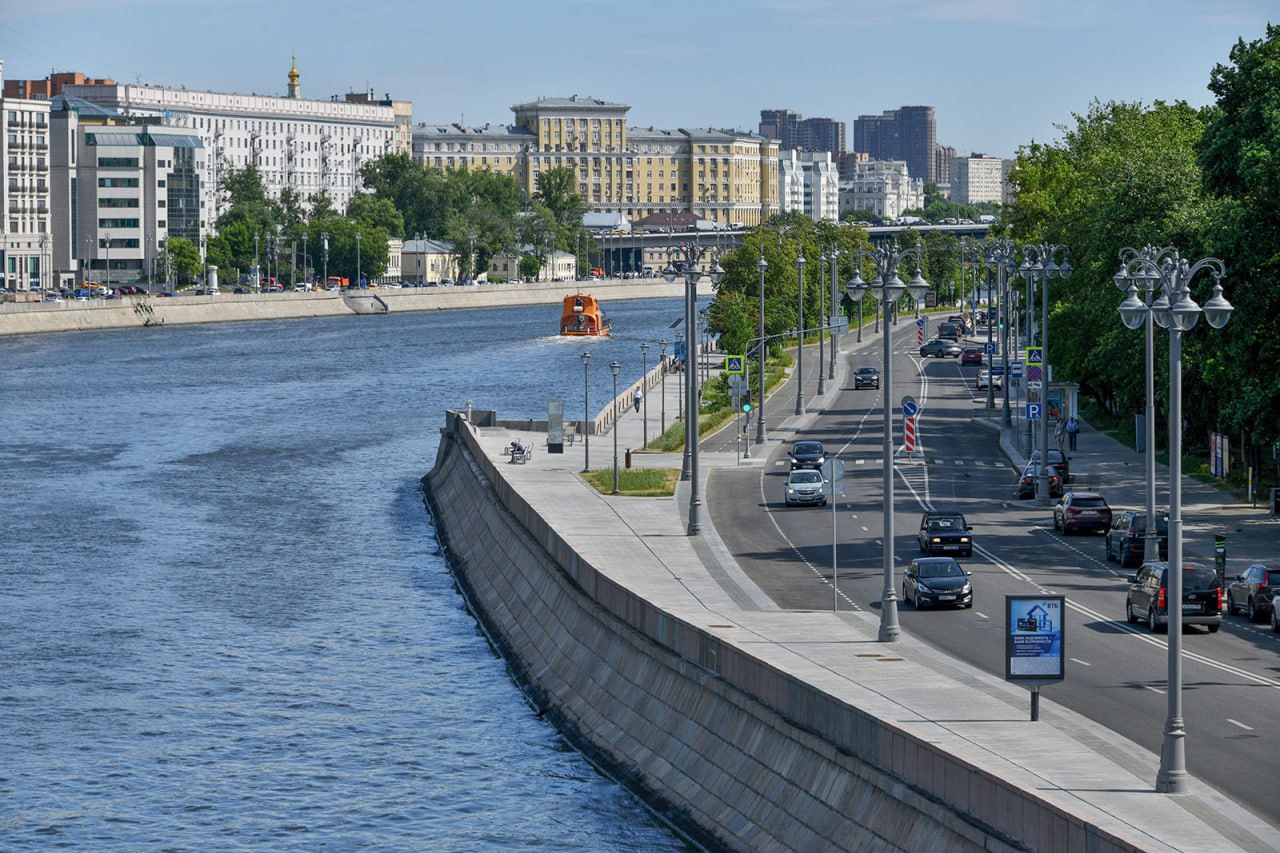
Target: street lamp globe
<point>761,265</point>
<point>1133,311</point>
<point>918,286</point>
<point>716,273</point>
<point>669,272</point>
<point>1217,310</point>
<point>1186,312</point>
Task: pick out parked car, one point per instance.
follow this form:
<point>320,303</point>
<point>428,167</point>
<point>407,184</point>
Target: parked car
<point>807,454</point>
<point>1027,482</point>
<point>971,355</point>
<point>940,348</point>
<point>1148,598</point>
<point>943,532</point>
<point>805,486</point>
<point>937,581</point>
<point>1081,511</point>
<point>1057,459</point>
<point>1126,539</point>
<point>1253,591</point>
<point>985,378</point>
<point>866,377</point>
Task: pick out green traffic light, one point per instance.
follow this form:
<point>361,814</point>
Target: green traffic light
<point>746,407</point>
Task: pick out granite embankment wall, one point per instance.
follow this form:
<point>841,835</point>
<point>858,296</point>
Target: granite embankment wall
<point>740,753</point>
<point>18,318</point>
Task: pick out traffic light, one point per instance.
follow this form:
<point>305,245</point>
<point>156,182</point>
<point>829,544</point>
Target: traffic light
<point>746,401</point>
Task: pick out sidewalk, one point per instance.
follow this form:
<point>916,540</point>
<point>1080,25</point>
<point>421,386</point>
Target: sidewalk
<point>1064,758</point>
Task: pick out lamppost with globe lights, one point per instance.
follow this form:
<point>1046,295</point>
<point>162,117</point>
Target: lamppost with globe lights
<point>822,311</point>
<point>1038,264</point>
<point>887,288</point>
<point>680,387</point>
<point>835,296</point>
<point>614,367</point>
<point>644,375</point>
<point>1000,255</point>
<point>800,333</point>
<point>761,266</point>
<point>1175,310</point>
<point>692,273</point>
<point>586,414</point>
<point>663,355</point>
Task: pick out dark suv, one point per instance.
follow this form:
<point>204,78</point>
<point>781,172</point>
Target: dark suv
<point>945,533</point>
<point>1148,598</point>
<point>807,454</point>
<point>1082,511</point>
<point>1057,459</point>
<point>866,377</point>
<point>1126,540</point>
<point>1254,588</point>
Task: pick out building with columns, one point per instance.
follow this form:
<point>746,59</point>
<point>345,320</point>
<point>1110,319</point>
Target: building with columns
<point>882,187</point>
<point>725,176</point>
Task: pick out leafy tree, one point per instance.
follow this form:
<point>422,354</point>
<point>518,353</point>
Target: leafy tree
<point>290,210</point>
<point>181,258</point>
<point>322,206</point>
<point>342,247</point>
<point>530,267</point>
<point>557,191</point>
<point>1240,156</point>
<point>421,195</point>
<point>374,212</point>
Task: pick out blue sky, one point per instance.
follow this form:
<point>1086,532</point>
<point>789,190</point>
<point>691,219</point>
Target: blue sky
<point>1000,73</point>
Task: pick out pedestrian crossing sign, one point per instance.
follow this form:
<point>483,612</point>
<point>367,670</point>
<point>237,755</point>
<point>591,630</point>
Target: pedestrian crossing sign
<point>733,364</point>
<point>1035,355</point>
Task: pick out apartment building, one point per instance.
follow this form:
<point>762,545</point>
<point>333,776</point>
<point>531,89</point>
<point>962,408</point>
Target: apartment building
<point>793,131</point>
<point>907,133</point>
<point>808,183</point>
<point>25,240</point>
<point>979,178</point>
<point>725,176</point>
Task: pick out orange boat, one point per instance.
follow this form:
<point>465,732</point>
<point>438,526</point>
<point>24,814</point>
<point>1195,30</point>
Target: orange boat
<point>583,315</point>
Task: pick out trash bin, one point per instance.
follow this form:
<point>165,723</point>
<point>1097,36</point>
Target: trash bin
<point>628,459</point>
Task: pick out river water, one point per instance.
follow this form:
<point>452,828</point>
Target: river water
<point>224,618</point>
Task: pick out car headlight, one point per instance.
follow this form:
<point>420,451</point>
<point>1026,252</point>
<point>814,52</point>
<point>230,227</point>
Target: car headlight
<point>964,540</point>
<point>935,541</point>
<point>821,459</point>
<point>922,586</point>
<point>966,588</point>
<point>791,490</point>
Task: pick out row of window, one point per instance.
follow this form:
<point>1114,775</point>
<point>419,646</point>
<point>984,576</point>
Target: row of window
<point>41,117</point>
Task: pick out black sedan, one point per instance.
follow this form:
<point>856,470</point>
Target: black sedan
<point>937,581</point>
<point>866,377</point>
<point>807,454</point>
<point>1027,482</point>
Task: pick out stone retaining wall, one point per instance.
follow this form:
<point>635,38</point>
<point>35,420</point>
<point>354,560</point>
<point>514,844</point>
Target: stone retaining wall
<point>737,752</point>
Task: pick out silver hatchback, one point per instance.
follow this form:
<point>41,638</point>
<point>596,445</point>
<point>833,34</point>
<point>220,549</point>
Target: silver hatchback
<point>805,486</point>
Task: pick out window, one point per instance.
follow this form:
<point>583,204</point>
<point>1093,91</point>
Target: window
<point>117,162</point>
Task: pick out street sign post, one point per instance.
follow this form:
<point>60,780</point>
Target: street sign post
<point>909,409</point>
<point>1033,411</point>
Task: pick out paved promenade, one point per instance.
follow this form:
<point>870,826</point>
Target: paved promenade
<point>1066,758</point>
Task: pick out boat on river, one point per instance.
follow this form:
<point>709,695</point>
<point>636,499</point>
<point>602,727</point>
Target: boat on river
<point>582,315</point>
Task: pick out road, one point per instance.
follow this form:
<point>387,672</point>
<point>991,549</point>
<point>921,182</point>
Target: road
<point>1116,673</point>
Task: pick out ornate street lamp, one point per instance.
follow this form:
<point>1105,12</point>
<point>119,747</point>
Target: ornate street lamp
<point>800,334</point>
<point>644,376</point>
<point>1175,310</point>
<point>1038,264</point>
<point>887,288</point>
<point>614,367</point>
<point>663,344</point>
<point>1000,255</point>
<point>586,414</point>
<point>761,266</point>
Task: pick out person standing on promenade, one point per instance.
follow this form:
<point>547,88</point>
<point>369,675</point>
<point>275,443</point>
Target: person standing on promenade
<point>1073,430</point>
<point>636,399</point>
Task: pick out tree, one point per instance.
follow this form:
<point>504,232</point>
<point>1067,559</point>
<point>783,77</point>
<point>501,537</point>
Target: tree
<point>557,191</point>
<point>374,212</point>
<point>180,258</point>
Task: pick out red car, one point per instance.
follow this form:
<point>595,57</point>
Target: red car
<point>1081,511</point>
<point>971,355</point>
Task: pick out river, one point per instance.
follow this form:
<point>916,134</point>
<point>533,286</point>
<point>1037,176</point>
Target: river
<point>224,617</point>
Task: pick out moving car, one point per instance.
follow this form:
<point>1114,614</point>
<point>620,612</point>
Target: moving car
<point>937,581</point>
<point>985,378</point>
<point>805,486</point>
<point>1126,538</point>
<point>1027,482</point>
<point>866,377</point>
<point>943,532</point>
<point>1253,591</point>
<point>1081,511</point>
<point>971,355</point>
<point>940,348</point>
<point>1149,593</point>
<point>807,454</point>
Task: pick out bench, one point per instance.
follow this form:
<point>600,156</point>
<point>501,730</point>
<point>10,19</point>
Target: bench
<point>521,456</point>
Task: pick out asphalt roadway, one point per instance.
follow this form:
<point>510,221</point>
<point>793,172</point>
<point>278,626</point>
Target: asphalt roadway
<point>1116,673</point>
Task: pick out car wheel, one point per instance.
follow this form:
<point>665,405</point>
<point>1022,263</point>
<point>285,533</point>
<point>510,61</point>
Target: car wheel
<point>969,604</point>
<point>1107,547</point>
<point>1275,620</point>
<point>1154,624</point>
<point>1252,610</point>
<point>1128,612</point>
<point>1213,629</point>
<point>1231,605</point>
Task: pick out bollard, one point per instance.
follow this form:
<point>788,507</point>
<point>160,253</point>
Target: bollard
<point>628,464</point>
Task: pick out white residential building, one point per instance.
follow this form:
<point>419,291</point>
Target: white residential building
<point>978,178</point>
<point>808,183</point>
<point>26,245</point>
<point>311,146</point>
<point>882,187</point>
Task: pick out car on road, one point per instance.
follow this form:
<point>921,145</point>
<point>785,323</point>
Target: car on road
<point>1057,459</point>
<point>1148,597</point>
<point>971,355</point>
<point>1081,511</point>
<point>945,532</point>
<point>805,486</point>
<point>1126,540</point>
<point>940,348</point>
<point>1253,591</point>
<point>950,332</point>
<point>936,581</point>
<point>807,454</point>
<point>1027,482</point>
<point>985,378</point>
<point>866,377</point>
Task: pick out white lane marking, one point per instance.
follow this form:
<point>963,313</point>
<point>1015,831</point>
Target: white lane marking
<point>981,615</point>
<point>1081,662</point>
<point>770,512</point>
<point>1240,724</point>
<point>1155,689</point>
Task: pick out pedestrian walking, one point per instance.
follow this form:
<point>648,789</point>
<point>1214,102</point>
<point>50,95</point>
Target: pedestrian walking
<point>636,399</point>
<point>1073,430</point>
<point>1061,434</point>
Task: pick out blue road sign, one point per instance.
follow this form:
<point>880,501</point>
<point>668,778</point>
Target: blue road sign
<point>909,407</point>
<point>989,348</point>
<point>1033,411</point>
<point>733,364</point>
<point>1035,355</point>
<point>997,370</point>
<point>920,322</point>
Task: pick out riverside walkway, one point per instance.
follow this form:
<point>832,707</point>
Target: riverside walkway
<point>1064,758</point>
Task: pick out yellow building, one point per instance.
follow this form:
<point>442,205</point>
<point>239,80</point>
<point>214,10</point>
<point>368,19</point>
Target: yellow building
<point>726,176</point>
